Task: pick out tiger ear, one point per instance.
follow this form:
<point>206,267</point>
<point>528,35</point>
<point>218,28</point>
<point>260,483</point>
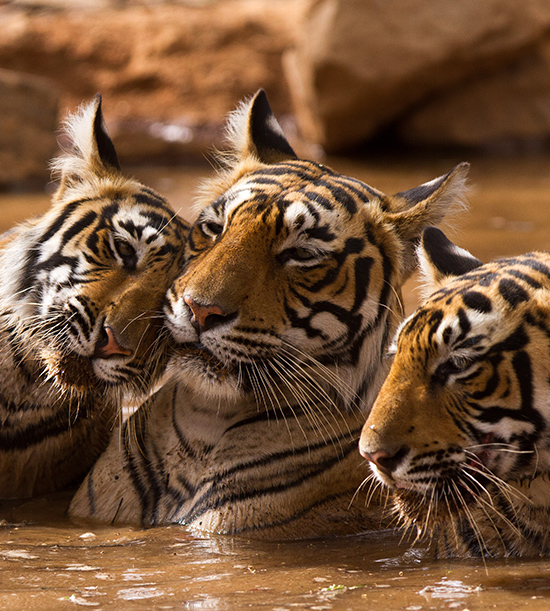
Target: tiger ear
<point>440,260</point>
<point>254,131</point>
<point>428,204</point>
<point>92,152</point>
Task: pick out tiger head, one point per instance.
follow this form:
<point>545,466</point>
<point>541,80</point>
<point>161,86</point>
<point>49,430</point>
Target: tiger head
<point>294,270</point>
<point>82,286</point>
<point>460,424</point>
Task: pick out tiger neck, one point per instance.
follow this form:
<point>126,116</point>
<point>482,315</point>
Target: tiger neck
<point>365,367</point>
<point>48,439</point>
<point>533,491</point>
<point>206,418</point>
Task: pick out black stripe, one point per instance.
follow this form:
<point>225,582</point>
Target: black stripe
<point>82,223</point>
<point>206,502</point>
<point>24,436</point>
<point>512,292</point>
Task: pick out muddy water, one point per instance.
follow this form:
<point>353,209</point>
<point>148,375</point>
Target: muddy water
<point>47,562</point>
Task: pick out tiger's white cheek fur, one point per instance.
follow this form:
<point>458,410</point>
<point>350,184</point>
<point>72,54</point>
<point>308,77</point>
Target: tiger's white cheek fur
<point>329,327</point>
<point>53,295</point>
<point>178,321</point>
<point>106,370</point>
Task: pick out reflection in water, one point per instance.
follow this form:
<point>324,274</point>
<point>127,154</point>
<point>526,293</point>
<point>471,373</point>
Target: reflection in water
<point>450,589</point>
<point>47,562</point>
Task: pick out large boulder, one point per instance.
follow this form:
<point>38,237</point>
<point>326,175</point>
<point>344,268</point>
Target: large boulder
<point>508,109</point>
<point>360,64</point>
<point>157,62</point>
<point>28,123</point>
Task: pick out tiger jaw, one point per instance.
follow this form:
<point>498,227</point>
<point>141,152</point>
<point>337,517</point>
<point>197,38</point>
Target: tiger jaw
<point>127,356</point>
<point>436,471</point>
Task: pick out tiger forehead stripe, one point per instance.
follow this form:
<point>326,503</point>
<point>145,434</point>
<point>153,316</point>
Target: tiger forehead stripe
<point>235,198</point>
<point>304,217</point>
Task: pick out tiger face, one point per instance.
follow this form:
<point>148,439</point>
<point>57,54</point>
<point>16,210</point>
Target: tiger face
<point>83,285</point>
<point>459,429</point>
<point>292,266</point>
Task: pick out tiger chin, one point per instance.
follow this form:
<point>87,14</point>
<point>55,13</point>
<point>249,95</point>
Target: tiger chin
<point>81,327</point>
<point>459,431</point>
<point>281,316</point>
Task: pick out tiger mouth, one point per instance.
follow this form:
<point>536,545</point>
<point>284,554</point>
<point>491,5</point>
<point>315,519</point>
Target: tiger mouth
<point>198,354</point>
<point>443,495</point>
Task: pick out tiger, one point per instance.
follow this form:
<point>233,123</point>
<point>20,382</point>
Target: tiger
<point>279,318</point>
<point>81,327</point>
<point>459,431</point>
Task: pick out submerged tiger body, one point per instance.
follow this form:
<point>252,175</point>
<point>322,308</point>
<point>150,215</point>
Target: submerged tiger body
<point>81,293</point>
<point>280,318</point>
<point>459,430</point>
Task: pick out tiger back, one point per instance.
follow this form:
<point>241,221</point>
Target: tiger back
<point>81,292</point>
<point>280,317</point>
<point>459,431</point>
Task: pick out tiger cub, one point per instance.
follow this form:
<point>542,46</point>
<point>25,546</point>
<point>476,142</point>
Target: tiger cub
<point>459,429</point>
<point>281,317</point>
<point>81,293</point>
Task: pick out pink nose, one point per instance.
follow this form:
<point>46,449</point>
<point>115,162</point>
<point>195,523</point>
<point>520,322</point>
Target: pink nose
<point>108,345</point>
<point>386,461</point>
<point>207,316</point>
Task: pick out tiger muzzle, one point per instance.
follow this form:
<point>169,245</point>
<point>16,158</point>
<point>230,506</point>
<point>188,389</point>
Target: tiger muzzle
<point>108,345</point>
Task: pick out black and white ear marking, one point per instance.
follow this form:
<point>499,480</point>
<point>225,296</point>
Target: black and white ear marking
<point>265,133</point>
<point>441,260</point>
<point>92,152</point>
<point>410,212</point>
<point>105,147</point>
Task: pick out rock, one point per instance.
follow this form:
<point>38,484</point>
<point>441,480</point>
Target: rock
<point>157,64</point>
<point>509,109</point>
<point>361,63</point>
<point>28,124</point>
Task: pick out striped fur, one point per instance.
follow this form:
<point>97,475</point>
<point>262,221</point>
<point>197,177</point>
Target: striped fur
<point>281,316</point>
<point>459,430</point>
<point>81,291</point>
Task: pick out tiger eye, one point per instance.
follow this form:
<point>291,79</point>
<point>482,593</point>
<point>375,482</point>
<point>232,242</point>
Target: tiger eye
<point>124,249</point>
<point>302,254</point>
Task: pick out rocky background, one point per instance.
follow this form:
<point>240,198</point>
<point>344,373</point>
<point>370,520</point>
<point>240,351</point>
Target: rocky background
<point>343,75</point>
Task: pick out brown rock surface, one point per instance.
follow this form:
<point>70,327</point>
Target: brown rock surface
<point>28,122</point>
<point>442,71</point>
<point>360,63</point>
<point>508,109</point>
<point>157,63</point>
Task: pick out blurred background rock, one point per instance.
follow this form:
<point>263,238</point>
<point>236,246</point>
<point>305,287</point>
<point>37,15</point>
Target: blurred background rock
<point>343,75</point>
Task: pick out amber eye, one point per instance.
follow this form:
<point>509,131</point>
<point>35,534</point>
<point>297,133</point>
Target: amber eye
<point>127,253</point>
<point>299,255</point>
<point>302,254</point>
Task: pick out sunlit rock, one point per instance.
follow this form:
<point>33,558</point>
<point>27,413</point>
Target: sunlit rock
<point>359,64</point>
<point>504,111</point>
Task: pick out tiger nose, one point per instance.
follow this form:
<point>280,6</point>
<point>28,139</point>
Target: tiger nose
<point>107,345</point>
<point>386,461</point>
<point>207,316</point>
